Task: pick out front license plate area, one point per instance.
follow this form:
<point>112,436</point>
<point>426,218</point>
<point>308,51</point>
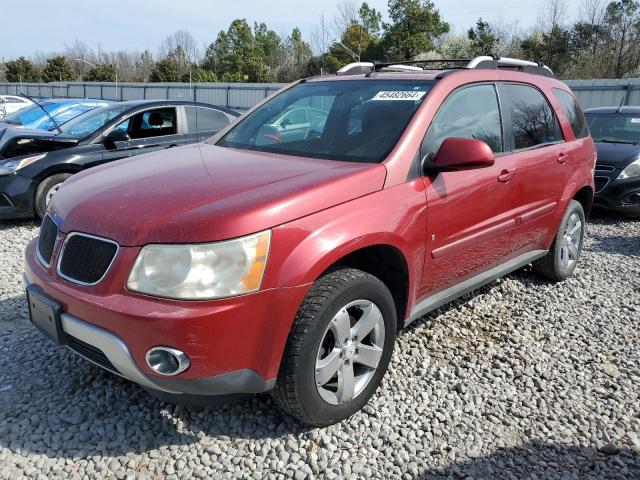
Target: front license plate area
<point>45,313</point>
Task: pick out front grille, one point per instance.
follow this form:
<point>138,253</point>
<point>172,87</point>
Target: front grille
<point>4,201</point>
<point>47,240</point>
<point>85,259</point>
<point>91,353</point>
<point>601,183</point>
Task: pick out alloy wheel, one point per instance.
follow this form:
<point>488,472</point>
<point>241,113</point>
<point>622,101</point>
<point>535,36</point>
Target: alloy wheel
<point>350,351</point>
<point>571,241</point>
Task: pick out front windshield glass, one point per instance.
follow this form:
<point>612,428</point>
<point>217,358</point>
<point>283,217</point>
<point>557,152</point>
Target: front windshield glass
<point>614,127</point>
<point>34,117</point>
<point>349,120</point>
<point>88,123</point>
<point>28,114</point>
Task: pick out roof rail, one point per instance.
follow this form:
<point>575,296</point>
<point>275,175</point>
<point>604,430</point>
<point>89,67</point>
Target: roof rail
<point>483,61</point>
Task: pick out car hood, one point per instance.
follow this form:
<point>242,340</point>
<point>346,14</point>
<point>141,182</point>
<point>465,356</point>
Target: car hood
<point>204,193</point>
<point>617,155</point>
<point>19,142</point>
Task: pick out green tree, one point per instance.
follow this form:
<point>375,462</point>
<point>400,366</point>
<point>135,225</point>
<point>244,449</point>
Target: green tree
<point>622,23</point>
<point>553,48</point>
<point>414,26</point>
<point>22,70</point>
<point>356,39</point>
<point>165,70</point>
<point>483,40</point>
<point>58,69</point>
<point>370,20</point>
<point>204,75</point>
<point>101,73</point>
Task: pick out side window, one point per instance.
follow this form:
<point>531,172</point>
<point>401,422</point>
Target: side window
<point>123,126</point>
<point>154,123</point>
<point>297,116</point>
<point>201,119</point>
<point>472,112</point>
<point>573,112</point>
<point>532,119</point>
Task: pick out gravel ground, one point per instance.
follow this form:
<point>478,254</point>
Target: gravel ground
<point>523,379</point>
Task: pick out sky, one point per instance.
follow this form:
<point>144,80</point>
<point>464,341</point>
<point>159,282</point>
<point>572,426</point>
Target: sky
<point>143,24</point>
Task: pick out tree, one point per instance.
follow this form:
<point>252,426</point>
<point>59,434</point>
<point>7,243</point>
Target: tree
<point>58,69</point>
<point>370,19</point>
<point>621,20</point>
<point>483,40</point>
<point>297,54</point>
<point>100,73</point>
<point>166,70</point>
<point>21,70</point>
<point>414,26</point>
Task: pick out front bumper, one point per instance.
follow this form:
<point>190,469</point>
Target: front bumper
<point>619,195</point>
<point>235,345</point>
<point>17,195</point>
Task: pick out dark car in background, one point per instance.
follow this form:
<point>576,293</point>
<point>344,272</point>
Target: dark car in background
<point>616,132</point>
<point>33,164</point>
<point>61,110</point>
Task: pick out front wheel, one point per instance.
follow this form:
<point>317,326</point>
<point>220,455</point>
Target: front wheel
<point>339,348</point>
<point>46,190</point>
<point>565,251</point>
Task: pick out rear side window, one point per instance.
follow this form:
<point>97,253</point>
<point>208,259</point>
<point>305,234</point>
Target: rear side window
<point>201,119</point>
<point>573,112</point>
<point>532,118</point>
<point>472,112</point>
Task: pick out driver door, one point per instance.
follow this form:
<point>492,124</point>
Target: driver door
<point>469,212</point>
<point>145,132</point>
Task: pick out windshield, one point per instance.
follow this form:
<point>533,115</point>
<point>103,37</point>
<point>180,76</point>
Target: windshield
<point>614,127</point>
<point>350,120</point>
<point>34,117</point>
<point>88,123</point>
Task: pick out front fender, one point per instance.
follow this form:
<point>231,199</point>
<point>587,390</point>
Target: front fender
<point>305,248</point>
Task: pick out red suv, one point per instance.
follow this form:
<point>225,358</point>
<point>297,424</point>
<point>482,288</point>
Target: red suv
<point>285,253</point>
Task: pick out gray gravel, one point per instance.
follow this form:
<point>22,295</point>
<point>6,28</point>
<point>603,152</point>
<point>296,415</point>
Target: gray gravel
<point>524,379</point>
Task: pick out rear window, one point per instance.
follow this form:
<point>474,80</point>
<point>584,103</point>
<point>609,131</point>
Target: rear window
<point>201,119</point>
<point>348,120</point>
<point>573,112</point>
<point>533,120</point>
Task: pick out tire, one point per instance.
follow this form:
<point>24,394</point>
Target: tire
<point>554,266</point>
<point>320,402</point>
<point>44,191</point>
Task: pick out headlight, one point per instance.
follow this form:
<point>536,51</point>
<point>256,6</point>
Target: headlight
<point>201,271</point>
<point>632,170</point>
<point>11,166</point>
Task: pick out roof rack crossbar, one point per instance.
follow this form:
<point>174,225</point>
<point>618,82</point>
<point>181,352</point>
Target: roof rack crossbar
<point>482,61</point>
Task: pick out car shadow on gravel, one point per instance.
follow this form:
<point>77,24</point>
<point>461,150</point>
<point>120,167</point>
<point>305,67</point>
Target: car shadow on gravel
<point>55,403</point>
<point>545,461</point>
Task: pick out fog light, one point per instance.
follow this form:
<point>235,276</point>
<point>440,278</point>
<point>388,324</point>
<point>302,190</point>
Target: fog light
<point>167,361</point>
<point>632,199</point>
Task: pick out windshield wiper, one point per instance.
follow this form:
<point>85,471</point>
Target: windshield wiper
<point>55,124</point>
<point>617,141</point>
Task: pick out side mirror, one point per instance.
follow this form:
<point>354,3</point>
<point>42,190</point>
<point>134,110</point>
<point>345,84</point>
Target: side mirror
<point>462,153</point>
<point>116,136</point>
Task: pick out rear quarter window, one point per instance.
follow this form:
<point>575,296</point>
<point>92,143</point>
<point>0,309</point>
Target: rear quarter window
<point>533,121</point>
<point>573,112</point>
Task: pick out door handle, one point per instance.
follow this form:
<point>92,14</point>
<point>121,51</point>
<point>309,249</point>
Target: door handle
<point>562,157</point>
<point>506,176</point>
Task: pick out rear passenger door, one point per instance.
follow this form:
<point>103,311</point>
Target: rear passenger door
<point>542,160</point>
<point>470,215</point>
<point>146,131</point>
<point>204,122</point>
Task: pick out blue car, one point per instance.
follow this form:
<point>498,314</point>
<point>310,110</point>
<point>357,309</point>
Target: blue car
<point>61,109</point>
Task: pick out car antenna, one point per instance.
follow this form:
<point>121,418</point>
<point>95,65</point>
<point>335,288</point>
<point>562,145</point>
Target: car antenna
<point>620,106</point>
<point>55,124</point>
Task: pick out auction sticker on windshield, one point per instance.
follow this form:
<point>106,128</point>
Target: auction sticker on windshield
<point>400,95</point>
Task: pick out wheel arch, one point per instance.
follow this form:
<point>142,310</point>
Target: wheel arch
<point>385,262</point>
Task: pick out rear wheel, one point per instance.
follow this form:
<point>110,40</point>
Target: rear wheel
<point>339,348</point>
<point>46,190</point>
<point>563,256</point>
